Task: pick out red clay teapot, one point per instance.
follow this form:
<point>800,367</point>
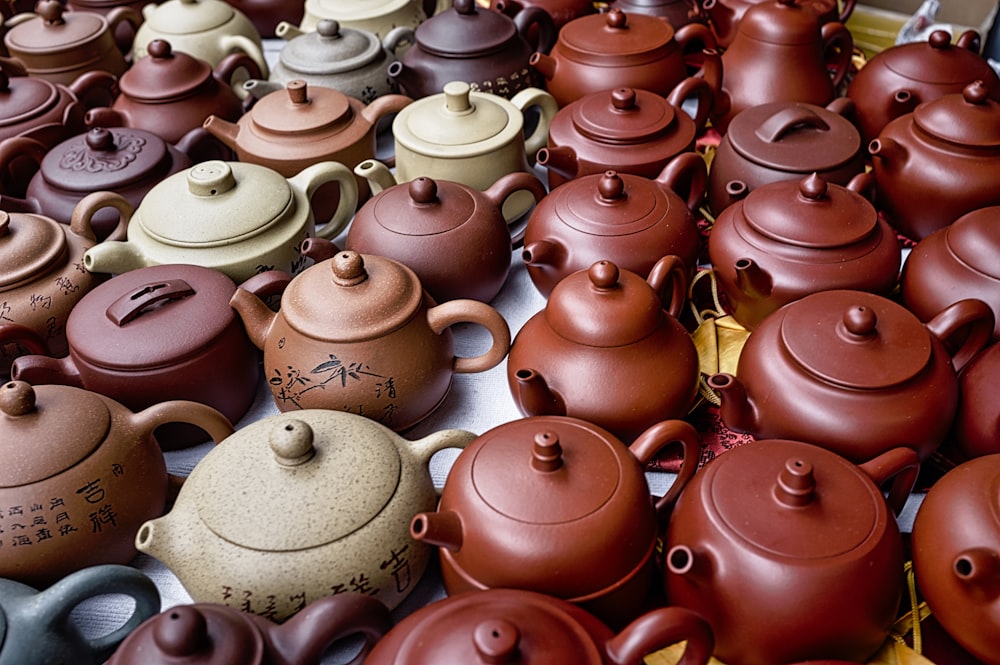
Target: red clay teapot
<point>790,552</point>
<point>559,506</point>
<point>627,219</point>
<point>977,423</point>
<point>791,238</point>
<point>724,15</point>
<point>853,372</point>
<point>608,326</point>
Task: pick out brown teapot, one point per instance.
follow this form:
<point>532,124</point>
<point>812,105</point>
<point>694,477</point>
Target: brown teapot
<point>937,163</point>
<point>484,48</point>
<point>724,15</point>
<point>214,634</point>
<point>595,52</point>
<point>161,333</point>
<point>790,552</point>
<point>628,130</point>
<point>791,238</point>
<point>853,372</point>
<point>83,473</point>
<point>627,219</point>
<point>608,326</point>
<point>784,141</point>
<point>895,81</point>
<point>976,431</point>
<point>781,53</point>
<point>358,333</point>
<point>956,551</point>
<point>511,625</point>
<point>559,506</point>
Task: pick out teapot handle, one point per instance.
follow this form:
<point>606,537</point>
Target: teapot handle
<point>655,439</point>
<point>129,306</point>
<point>120,14</point>
<point>848,9</point>
<point>658,629</point>
<point>902,465</point>
<point>534,15</point>
<point>466,310</point>
<point>398,36</point>
<point>505,187</point>
<point>971,316</point>
<point>670,270</point>
<point>547,107</point>
<point>306,636</point>
<point>425,448</point>
<point>15,333</point>
<point>216,425</point>
<point>787,120</point>
<point>309,179</point>
<point>686,171</point>
<point>226,70</point>
<point>838,49</point>
<point>61,598</point>
<point>232,43</point>
<point>20,147</point>
<point>88,206</point>
<point>701,91</point>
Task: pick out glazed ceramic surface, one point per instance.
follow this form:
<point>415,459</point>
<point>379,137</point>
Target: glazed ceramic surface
<point>300,506</point>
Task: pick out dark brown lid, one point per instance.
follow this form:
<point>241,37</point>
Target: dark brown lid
<point>614,39</point>
<point>164,75</point>
<point>303,109</point>
<point>796,500</point>
<point>352,297</point>
<point>781,22</point>
<point>111,159</point>
<point>968,119</point>
<point>855,339</point>
<point>935,61</point>
<point>604,306</point>
<point>974,239</point>
<point>55,29</point>
<point>794,137</point>
<point>466,30</point>
<point>151,317</point>
<point>810,213</point>
<point>46,430</point>
<point>553,471</point>
<point>331,49</point>
<point>29,246</point>
<point>629,116</point>
<point>25,97</point>
<point>325,480</point>
<point>424,207</point>
<point>610,204</point>
<point>202,634</point>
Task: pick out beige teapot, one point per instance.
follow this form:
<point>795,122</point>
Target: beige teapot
<point>376,16</point>
<point>299,506</point>
<point>238,218</point>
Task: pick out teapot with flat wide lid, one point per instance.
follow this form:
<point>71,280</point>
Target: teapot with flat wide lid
<point>29,246</point>
<point>25,97</point>
<point>55,29</point>
<point>630,40</point>
<point>469,31</point>
<point>316,110</point>
<point>107,159</point>
<point>634,116</point>
<point>330,49</point>
<point>455,120</point>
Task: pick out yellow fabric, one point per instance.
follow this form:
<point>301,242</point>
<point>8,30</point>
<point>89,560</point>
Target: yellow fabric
<point>719,338</point>
<point>891,653</point>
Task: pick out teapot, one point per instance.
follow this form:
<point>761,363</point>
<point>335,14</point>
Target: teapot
<point>677,12</point>
<point>781,53</point>
<point>558,506</point>
<point>625,129</point>
<point>85,472</point>
<point>955,262</point>
<point>629,50</point>
<point>43,273</point>
<point>484,48</point>
<point>37,627</point>
<point>624,218</point>
<point>378,18</point>
<point>129,162</point>
<point>473,138</point>
<point>790,238</point>
<point>895,81</point>
<point>853,372</point>
<point>724,15</point>
<point>161,333</point>
<point>507,625</point>
<point>236,217</point>
<point>206,29</point>
<point>795,512</point>
<point>452,236</point>
<point>956,548</point>
<point>611,327</point>
<point>784,141</point>
<point>959,134</point>
<point>216,634</point>
<point>299,506</point>
<point>976,431</point>
<point>358,333</point>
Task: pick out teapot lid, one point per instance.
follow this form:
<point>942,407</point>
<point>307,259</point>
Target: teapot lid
<point>29,246</point>
<point>810,213</point>
<point>302,108</point>
<point>794,136</point>
<point>352,297</point>
<point>53,28</point>
<point>855,339</point>
<point>610,204</point>
<point>633,116</point>
<point>614,38</point>
<point>795,500</point>
<point>214,203</point>
<point>331,49</point>
<point>785,22</point>
<point>324,474</point>
<point>151,317</point>
<point>105,158</point>
<point>968,119</point>
<point>604,306</point>
<point>199,634</point>
<point>25,97</point>
<point>164,74</point>
<point>47,429</point>
<point>974,239</point>
<point>424,207</point>
<point>358,11</point>
<point>181,17</point>
<point>466,30</point>
<point>454,120</point>
<point>935,61</point>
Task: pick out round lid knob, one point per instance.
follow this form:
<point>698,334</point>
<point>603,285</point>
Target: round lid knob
<point>456,97</point>
<point>328,28</point>
<point>611,188</point>
<point>298,91</point>
<point>292,443</point>
<point>546,453</point>
<point>796,484</point>
<point>860,321</point>
<point>50,11</point>
<point>813,187</point>
<point>159,48</point>
<point>423,190</point>
<point>182,632</point>
<point>210,178</point>
<point>617,19</point>
<point>100,138</point>
<point>348,268</point>
<point>939,39</point>
<point>623,98</point>
<point>496,641</point>
<point>17,398</point>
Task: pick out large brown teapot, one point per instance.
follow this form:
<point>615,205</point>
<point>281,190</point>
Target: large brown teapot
<point>724,15</point>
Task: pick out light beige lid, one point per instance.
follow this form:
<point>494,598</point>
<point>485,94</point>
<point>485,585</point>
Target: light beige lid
<point>186,16</point>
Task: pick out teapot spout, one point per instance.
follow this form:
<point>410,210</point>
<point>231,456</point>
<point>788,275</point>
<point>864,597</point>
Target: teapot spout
<point>534,396</point>
<point>737,411</point>
<point>377,174</point>
<point>114,256</point>
<point>40,369</point>
<point>259,88</point>
<point>407,78</point>
<point>543,253</point>
<point>903,101</point>
<point>544,64</point>
<point>163,538</point>
<point>751,279</point>
<point>443,529</point>
<point>105,116</point>
<point>681,560</point>
<point>257,316</point>
<point>222,129</point>
<point>560,160</point>
<point>979,567</point>
<point>887,150</point>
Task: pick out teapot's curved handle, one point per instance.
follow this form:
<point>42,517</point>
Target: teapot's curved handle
<point>19,148</point>
<point>466,310</point>
<point>547,107</point>
<point>227,68</point>
<point>62,597</point>
<point>670,270</point>
<point>687,174</point>
<point>701,91</point>
<point>655,439</point>
<point>309,179</point>
<point>847,10</point>
<point>788,119</point>
<point>398,36</point>
<point>533,15</point>
<point>94,84</point>
<point>31,341</point>
<point>87,207</point>
<point>423,449</point>
<point>216,425</point>
<point>696,40</point>
<point>306,636</point>
<point>971,316</point>
<point>658,629</point>
<point>125,14</point>
<point>131,305</point>
<point>505,187</point>
<point>865,185</point>
<point>234,43</point>
<point>838,49</point>
<point>902,465</point>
